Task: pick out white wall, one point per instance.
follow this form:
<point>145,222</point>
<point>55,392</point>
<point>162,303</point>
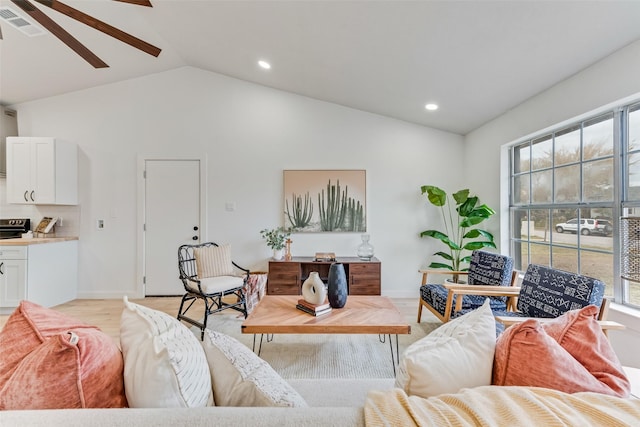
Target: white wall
<point>605,83</point>
<point>612,79</point>
<point>249,134</point>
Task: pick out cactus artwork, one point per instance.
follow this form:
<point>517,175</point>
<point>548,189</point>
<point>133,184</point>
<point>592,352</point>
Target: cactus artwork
<point>333,208</point>
<point>354,220</point>
<point>301,215</point>
<point>325,201</point>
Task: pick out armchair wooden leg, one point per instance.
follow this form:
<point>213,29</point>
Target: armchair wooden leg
<point>419,311</point>
<point>448,307</point>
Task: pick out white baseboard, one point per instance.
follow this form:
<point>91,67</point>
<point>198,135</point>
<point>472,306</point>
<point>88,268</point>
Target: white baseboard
<point>109,295</point>
<point>402,293</point>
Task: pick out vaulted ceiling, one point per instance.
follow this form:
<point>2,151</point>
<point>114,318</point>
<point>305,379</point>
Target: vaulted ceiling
<point>475,59</point>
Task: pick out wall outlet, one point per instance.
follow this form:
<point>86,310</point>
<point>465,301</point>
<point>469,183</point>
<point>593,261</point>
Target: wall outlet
<point>100,224</point>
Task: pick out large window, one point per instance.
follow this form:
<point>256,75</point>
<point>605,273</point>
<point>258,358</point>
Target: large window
<point>575,200</point>
<point>563,199</point>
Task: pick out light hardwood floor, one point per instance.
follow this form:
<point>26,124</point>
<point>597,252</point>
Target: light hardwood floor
<point>105,313</point>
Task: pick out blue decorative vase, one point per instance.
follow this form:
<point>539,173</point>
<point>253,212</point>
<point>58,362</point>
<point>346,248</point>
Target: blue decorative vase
<point>337,286</point>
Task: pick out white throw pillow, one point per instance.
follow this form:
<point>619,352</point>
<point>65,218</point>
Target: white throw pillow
<point>457,355</point>
<point>164,364</point>
<point>213,261</point>
<point>241,378</point>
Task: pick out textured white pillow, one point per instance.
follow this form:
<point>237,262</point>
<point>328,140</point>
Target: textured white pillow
<point>164,364</point>
<point>213,261</point>
<point>241,378</point>
<point>457,355</point>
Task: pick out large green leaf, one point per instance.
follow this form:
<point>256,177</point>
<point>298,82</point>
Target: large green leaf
<point>444,255</point>
<point>471,246</point>
<point>436,196</point>
<point>476,232</point>
<point>471,221</point>
<point>440,265</point>
<point>442,237</point>
<point>435,234</point>
<point>482,210</point>
<point>461,196</point>
<point>467,207</point>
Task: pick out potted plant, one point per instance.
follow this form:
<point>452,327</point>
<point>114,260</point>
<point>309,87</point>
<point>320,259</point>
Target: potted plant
<point>276,239</point>
<point>459,234</point>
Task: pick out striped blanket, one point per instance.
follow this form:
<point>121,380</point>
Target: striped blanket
<point>500,406</point>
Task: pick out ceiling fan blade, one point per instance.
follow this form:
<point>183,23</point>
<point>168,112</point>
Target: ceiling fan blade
<point>101,26</point>
<point>137,2</point>
<point>60,33</point>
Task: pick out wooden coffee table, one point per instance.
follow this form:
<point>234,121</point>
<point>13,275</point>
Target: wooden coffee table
<point>360,315</point>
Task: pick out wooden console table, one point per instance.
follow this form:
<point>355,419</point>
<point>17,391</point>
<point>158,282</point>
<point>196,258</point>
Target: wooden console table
<point>286,277</point>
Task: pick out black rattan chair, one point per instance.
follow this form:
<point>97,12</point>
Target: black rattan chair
<point>208,274</point>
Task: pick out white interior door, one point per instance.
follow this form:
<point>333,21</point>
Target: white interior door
<point>171,218</point>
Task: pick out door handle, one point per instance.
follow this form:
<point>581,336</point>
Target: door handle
<point>195,237</point>
<point>1,264</point>
<point>31,195</point>
<point>25,196</point>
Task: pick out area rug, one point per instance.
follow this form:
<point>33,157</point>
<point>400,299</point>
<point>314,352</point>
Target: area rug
<point>323,355</point>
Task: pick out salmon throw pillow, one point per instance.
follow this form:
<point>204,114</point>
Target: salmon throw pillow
<point>570,354</point>
<point>579,333</point>
<point>52,361</point>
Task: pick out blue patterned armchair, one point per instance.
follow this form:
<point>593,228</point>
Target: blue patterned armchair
<point>486,270</point>
<point>548,293</point>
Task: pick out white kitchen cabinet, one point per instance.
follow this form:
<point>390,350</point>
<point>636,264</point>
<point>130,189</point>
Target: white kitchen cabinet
<point>41,170</point>
<point>45,273</point>
<point>13,276</point>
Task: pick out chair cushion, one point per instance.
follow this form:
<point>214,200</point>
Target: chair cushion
<point>213,261</point>
<point>214,285</point>
<point>548,292</point>
<point>569,354</point>
<point>436,297</point>
<point>488,268</point>
<point>240,378</point>
<point>458,354</point>
<point>49,360</point>
<point>165,365</point>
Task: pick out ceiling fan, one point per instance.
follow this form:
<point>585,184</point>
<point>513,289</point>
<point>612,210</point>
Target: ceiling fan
<point>86,19</point>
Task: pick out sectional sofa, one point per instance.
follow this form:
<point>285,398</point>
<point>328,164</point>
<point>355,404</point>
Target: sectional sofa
<point>56,371</point>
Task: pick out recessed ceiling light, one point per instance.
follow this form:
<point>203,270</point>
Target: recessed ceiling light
<point>431,107</point>
<point>264,64</point>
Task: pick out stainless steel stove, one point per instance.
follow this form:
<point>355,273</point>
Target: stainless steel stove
<point>13,228</point>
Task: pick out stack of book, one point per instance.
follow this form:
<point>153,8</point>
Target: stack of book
<point>313,309</point>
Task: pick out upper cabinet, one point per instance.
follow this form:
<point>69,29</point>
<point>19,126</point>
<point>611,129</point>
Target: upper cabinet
<point>42,170</point>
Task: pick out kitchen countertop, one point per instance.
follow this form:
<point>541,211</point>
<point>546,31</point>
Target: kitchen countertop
<point>35,241</point>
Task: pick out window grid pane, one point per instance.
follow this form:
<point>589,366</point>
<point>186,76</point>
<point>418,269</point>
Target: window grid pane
<point>541,153</point>
<point>522,158</point>
<point>598,180</point>
<point>567,146</point>
<point>598,138</point>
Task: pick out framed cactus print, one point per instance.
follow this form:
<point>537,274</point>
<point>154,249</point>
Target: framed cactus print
<point>328,201</point>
